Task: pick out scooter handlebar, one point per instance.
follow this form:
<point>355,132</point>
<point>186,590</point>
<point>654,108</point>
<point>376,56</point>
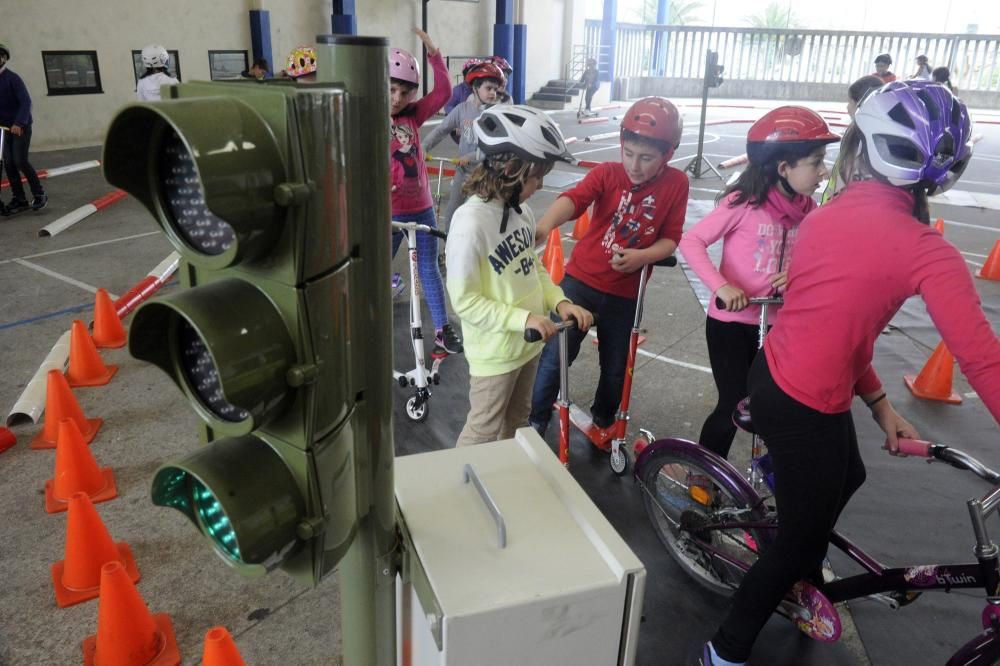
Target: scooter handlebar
<point>408,226</point>
<point>532,335</point>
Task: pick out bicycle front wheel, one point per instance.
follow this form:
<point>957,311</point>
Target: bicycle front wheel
<point>697,510</point>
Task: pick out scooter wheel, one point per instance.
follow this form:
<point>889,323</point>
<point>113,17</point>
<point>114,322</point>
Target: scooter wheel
<point>403,381</point>
<point>416,409</point>
<point>618,461</point>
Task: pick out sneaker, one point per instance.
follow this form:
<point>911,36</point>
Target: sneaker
<point>397,285</point>
<point>447,341</point>
<point>709,658</point>
<point>602,422</point>
<point>540,427</point>
<point>40,202</point>
<point>16,206</point>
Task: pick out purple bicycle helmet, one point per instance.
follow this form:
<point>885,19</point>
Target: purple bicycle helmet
<point>916,133</point>
<point>403,66</point>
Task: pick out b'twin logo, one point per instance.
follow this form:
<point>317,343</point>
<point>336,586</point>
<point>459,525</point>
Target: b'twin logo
<point>946,578</point>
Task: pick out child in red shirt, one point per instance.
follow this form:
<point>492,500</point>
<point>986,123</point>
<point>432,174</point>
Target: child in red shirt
<point>639,205</point>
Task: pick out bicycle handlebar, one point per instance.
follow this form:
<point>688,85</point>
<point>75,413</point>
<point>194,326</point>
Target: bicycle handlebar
<point>954,457</point>
<point>413,226</point>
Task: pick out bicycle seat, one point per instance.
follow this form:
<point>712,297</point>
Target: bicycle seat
<point>741,416</point>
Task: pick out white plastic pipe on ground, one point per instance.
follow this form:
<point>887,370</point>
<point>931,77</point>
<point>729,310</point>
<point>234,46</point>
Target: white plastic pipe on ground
<point>31,404</point>
<point>81,213</point>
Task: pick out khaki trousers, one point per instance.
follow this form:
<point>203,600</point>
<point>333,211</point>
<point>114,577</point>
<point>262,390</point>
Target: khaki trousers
<point>498,405</point>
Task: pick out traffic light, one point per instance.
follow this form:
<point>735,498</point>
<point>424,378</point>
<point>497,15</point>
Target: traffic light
<point>713,70</point>
<point>248,183</point>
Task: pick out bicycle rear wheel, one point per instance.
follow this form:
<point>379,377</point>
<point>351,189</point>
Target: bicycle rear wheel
<point>689,499</point>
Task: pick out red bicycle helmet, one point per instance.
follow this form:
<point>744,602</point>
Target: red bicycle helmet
<point>655,118</point>
<point>502,63</point>
<point>486,70</point>
<point>470,63</point>
<point>787,129</point>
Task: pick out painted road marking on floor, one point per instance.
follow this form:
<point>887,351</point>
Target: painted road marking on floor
<point>81,247</point>
<point>59,276</point>
<point>973,226</point>
<point>665,359</point>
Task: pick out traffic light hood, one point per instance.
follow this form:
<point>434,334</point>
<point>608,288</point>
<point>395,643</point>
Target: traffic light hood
<point>207,169</point>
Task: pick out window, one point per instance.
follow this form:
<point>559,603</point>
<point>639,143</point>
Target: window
<point>173,67</point>
<point>227,64</point>
<point>72,72</point>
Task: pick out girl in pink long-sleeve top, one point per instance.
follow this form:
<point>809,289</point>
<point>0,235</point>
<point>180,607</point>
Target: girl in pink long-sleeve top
<point>757,221</point>
<point>857,260</point>
<point>411,193</point>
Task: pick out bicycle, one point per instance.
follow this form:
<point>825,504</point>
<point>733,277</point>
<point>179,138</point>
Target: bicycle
<point>420,377</point>
<point>716,536</point>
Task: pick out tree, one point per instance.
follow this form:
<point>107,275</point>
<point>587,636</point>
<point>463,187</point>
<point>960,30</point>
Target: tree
<point>682,12</point>
<point>775,15</point>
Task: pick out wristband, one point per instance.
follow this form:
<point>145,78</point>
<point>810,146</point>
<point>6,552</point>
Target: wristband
<point>873,402</point>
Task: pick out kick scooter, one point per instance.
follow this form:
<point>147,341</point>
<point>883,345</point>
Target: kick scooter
<point>420,377</point>
<point>611,438</point>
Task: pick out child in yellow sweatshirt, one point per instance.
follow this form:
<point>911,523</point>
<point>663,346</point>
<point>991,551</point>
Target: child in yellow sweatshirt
<point>497,285</point>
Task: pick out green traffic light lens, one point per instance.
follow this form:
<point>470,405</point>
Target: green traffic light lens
<point>185,200</point>
<point>213,520</point>
<point>203,376</point>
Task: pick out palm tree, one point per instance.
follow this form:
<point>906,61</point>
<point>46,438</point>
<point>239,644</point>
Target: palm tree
<point>682,12</point>
<point>775,15</point>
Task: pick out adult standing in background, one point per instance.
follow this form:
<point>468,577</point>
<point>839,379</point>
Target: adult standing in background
<point>882,63</point>
<point>923,72</point>
<point>15,114</point>
<point>156,60</point>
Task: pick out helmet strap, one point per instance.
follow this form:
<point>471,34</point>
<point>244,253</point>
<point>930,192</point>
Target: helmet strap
<point>789,190</point>
<point>513,202</point>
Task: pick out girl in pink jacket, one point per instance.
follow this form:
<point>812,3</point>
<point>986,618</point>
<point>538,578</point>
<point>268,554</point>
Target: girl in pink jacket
<point>757,221</point>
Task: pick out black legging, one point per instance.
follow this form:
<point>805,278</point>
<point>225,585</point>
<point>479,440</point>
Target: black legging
<point>731,349</point>
<point>817,467</point>
<point>15,160</point>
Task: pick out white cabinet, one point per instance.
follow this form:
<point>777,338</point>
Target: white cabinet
<point>563,589</point>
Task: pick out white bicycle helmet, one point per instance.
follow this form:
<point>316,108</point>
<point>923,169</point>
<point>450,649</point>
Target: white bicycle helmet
<point>522,130</point>
<point>155,56</point>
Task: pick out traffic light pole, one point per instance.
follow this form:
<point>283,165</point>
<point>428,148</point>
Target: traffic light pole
<point>694,166</point>
<point>368,571</point>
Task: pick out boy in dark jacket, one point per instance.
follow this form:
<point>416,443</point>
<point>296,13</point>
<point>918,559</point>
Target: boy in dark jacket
<point>15,116</point>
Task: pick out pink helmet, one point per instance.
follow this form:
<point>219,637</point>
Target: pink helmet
<point>403,66</point>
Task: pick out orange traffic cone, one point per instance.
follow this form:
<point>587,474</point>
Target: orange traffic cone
<point>108,329</point>
<point>582,224</point>
<point>553,258</point>
<point>76,471</point>
<point>991,269</point>
<point>220,650</point>
<point>934,381</point>
<point>60,403</point>
<point>939,226</point>
<point>85,365</point>
<point>127,633</point>
<point>77,577</point>
<point>7,439</point>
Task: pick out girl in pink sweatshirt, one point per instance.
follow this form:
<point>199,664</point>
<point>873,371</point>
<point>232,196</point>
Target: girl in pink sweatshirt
<point>857,260</point>
<point>757,221</point>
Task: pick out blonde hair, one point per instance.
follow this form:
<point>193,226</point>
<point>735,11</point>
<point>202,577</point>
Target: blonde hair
<point>501,176</point>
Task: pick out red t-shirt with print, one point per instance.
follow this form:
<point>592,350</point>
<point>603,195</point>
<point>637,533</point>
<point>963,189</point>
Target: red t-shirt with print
<point>625,216</point>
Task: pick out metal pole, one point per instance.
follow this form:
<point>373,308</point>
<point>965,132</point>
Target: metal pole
<point>423,49</point>
<point>367,572</point>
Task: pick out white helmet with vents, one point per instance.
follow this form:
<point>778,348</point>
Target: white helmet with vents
<point>155,56</point>
<point>522,130</point>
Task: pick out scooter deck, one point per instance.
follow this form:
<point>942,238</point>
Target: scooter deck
<point>582,421</point>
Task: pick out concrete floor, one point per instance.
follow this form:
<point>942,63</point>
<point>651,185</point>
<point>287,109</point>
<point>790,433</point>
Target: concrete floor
<point>47,282</point>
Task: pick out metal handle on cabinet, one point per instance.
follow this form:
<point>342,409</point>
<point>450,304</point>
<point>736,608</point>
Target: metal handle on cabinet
<point>469,473</point>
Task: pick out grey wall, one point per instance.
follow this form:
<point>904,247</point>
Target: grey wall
<point>115,27</point>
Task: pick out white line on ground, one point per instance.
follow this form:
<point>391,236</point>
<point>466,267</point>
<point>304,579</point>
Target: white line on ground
<point>973,254</point>
<point>81,247</point>
<point>972,226</point>
<point>59,276</point>
<point>974,263</point>
<point>664,359</point>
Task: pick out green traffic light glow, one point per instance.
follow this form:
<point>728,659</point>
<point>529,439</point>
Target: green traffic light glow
<point>203,376</point>
<point>214,521</point>
<point>185,198</point>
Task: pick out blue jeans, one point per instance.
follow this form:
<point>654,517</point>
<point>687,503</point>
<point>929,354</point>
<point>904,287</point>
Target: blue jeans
<point>615,316</point>
<point>427,263</point>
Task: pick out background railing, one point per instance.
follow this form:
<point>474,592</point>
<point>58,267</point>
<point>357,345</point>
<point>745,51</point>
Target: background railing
<point>797,56</point>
